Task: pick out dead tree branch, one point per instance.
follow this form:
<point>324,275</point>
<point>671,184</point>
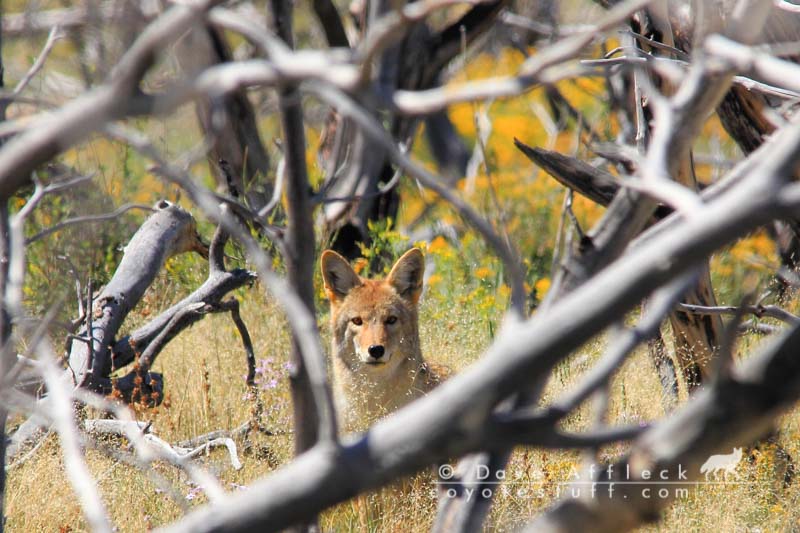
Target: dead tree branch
<point>169,231</point>
<point>759,310</point>
<point>302,322</point>
<point>177,453</point>
<point>736,411</point>
<point>75,121</point>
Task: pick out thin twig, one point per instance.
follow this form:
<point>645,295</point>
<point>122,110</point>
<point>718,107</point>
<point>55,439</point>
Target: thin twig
<point>623,344</point>
<point>54,36</point>
<point>233,305</point>
<point>88,219</point>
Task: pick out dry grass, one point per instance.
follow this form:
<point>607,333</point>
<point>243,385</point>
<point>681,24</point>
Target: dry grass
<point>204,370</point>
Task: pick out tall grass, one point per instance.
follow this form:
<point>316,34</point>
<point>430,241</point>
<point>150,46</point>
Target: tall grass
<point>204,369</point>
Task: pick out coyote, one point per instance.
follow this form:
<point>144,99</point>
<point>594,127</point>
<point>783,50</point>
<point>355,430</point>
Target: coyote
<point>377,361</point>
<point>726,463</point>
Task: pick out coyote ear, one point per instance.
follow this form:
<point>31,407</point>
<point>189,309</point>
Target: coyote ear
<point>406,275</point>
<point>338,275</point>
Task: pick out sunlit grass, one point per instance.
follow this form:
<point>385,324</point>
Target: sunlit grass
<point>204,369</point>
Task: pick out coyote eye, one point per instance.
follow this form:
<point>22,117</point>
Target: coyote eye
<point>357,320</point>
<point>391,320</point>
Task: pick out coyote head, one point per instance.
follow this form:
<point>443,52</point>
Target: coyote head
<point>375,325</point>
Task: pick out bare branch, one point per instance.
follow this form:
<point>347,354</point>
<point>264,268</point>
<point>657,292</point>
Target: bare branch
<point>78,473</point>
<point>88,219</point>
<point>176,453</point>
<point>331,22</point>
<point>28,23</point>
<point>759,310</point>
<point>623,344</point>
<point>54,36</point>
<point>75,121</point>
<point>233,305</point>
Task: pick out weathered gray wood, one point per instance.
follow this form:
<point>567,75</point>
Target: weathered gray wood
<point>34,21</point>
<point>594,183</point>
<point>744,114</point>
<point>695,337</point>
<point>147,342</point>
<point>211,291</point>
<point>169,231</point>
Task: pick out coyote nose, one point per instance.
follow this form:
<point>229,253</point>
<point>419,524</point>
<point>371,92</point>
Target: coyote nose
<point>376,351</point>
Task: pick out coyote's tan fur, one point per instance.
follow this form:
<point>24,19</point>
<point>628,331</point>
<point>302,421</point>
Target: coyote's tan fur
<point>377,362</point>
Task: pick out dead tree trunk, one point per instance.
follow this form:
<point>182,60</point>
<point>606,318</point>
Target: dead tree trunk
<point>229,122</point>
<point>299,248</point>
<point>356,166</point>
<point>169,231</point>
<point>744,114</point>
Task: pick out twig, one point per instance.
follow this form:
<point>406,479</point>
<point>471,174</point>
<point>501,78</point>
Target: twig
<point>623,344</point>
<point>240,431</point>
<point>277,192</point>
<point>148,451</point>
<point>88,219</point>
<point>173,454</point>
<point>54,35</point>
<point>233,306</point>
<point>754,326</point>
<point>227,442</point>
